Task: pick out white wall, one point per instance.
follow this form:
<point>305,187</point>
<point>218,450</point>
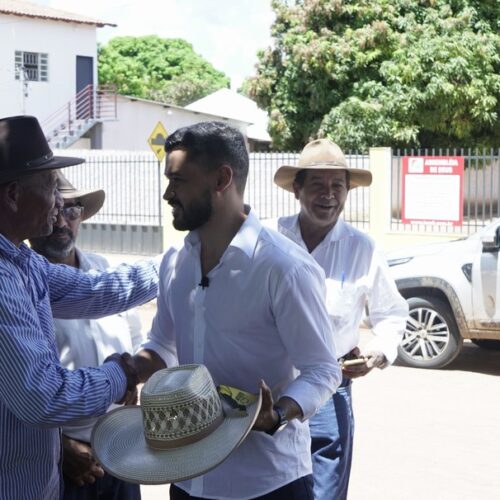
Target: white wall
<point>62,41</point>
<point>137,119</point>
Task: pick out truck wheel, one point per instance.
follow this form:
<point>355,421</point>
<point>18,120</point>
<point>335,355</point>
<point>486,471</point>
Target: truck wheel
<point>489,344</point>
<point>431,338</point>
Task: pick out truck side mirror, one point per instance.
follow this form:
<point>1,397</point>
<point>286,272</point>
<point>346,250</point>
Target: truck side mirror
<point>491,242</point>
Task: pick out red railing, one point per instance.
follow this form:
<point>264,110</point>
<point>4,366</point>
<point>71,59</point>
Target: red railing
<point>91,103</point>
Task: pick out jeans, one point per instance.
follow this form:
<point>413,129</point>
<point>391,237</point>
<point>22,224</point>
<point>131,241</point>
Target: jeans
<point>104,488</point>
<point>332,431</point>
<point>300,489</point>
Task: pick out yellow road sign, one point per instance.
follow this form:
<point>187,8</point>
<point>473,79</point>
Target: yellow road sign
<point>156,141</point>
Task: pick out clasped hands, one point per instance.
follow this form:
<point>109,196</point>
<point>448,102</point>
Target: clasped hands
<point>126,363</point>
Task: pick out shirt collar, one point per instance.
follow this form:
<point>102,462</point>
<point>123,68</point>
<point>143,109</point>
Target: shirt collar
<point>7,248</point>
<point>289,226</point>
<point>245,239</point>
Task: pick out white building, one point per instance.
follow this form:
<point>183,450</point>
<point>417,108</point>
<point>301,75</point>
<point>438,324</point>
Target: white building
<point>234,106</point>
<point>47,56</point>
<point>136,119</point>
<point>48,68</point>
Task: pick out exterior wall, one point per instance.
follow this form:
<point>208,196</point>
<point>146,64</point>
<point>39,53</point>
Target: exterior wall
<point>62,41</point>
<point>137,119</point>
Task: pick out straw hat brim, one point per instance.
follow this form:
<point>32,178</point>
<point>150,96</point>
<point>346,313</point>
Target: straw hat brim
<point>92,201</point>
<point>120,447</point>
<point>285,175</point>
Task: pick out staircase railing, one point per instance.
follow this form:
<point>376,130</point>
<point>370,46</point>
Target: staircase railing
<point>91,103</point>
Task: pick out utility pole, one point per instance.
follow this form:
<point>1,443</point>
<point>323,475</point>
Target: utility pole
<point>23,73</point>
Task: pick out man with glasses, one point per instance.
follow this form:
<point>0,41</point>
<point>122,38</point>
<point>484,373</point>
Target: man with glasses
<point>83,342</point>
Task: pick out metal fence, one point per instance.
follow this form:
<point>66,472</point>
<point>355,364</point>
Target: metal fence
<point>481,189</point>
<point>130,219</point>
<point>130,179</point>
<point>132,182</point>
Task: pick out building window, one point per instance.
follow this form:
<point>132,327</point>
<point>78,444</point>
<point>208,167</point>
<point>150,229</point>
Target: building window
<point>33,65</point>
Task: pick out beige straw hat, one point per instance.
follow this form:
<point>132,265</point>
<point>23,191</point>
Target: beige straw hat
<point>183,428</point>
<point>321,154</point>
<point>91,200</point>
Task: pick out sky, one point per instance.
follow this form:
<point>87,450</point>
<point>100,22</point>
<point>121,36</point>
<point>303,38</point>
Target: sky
<point>228,33</point>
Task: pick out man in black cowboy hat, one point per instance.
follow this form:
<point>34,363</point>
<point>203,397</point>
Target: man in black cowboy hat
<point>83,342</point>
<point>38,395</point>
<point>356,274</point>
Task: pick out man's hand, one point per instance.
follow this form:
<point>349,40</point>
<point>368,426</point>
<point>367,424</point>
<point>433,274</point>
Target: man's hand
<point>373,359</point>
<point>267,417</point>
<point>79,463</point>
<point>127,364</point>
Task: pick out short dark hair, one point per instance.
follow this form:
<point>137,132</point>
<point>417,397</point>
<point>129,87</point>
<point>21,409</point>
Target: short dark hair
<point>300,178</point>
<point>212,144</point>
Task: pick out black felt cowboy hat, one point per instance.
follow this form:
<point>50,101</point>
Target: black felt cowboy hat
<point>24,149</point>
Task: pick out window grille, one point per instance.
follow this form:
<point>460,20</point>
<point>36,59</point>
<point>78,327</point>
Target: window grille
<point>34,65</point>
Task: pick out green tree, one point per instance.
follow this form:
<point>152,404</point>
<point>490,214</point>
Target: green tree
<point>382,73</point>
<point>157,68</point>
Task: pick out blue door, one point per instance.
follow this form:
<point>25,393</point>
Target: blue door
<point>84,78</point>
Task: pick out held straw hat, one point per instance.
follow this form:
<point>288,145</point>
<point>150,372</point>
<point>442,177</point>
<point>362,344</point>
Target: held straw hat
<point>321,154</point>
<point>182,429</point>
<point>91,201</point>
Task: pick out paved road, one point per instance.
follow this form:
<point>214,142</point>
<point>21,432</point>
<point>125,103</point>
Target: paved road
<point>421,434</point>
<point>424,434</point>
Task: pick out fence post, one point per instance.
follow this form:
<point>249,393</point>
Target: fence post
<point>380,193</point>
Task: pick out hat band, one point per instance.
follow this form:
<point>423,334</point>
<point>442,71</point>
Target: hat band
<point>323,164</point>
<point>161,444</point>
<point>40,161</point>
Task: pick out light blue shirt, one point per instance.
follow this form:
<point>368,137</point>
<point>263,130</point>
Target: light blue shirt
<point>261,317</point>
<point>37,395</point>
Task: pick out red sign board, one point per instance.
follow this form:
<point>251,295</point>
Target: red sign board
<point>433,190</point>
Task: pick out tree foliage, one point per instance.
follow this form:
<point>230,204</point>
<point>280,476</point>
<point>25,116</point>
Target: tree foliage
<point>366,73</point>
<point>156,68</point>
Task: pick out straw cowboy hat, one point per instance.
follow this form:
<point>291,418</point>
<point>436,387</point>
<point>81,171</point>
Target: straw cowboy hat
<point>321,154</point>
<point>91,201</point>
<point>24,149</point>
<point>183,428</point>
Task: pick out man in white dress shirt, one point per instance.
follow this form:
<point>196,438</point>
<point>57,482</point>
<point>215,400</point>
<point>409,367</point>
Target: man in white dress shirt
<point>83,342</point>
<point>247,303</point>
<point>356,275</point>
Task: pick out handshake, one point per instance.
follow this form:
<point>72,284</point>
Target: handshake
<point>126,362</point>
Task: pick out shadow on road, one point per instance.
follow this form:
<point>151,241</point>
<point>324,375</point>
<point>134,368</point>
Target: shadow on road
<point>473,359</point>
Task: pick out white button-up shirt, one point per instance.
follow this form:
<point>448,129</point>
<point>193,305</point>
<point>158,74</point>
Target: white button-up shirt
<point>261,317</point>
<point>356,274</point>
<point>88,342</point>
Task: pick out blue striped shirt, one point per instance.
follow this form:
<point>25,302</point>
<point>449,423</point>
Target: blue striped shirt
<point>38,395</point>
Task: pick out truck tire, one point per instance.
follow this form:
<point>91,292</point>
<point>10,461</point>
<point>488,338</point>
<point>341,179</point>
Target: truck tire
<point>431,338</point>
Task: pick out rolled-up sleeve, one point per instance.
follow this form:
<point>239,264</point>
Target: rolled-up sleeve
<point>388,310</point>
<point>306,331</point>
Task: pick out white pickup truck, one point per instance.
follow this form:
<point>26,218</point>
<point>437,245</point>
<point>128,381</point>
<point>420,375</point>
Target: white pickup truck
<point>453,290</point>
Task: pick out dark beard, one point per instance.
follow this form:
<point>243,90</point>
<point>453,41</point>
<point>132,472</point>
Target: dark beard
<point>53,248</point>
<point>195,215</point>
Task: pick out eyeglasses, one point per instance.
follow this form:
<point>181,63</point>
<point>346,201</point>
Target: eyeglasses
<point>72,212</point>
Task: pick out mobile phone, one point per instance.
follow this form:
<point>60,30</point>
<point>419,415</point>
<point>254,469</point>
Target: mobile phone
<point>354,362</point>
